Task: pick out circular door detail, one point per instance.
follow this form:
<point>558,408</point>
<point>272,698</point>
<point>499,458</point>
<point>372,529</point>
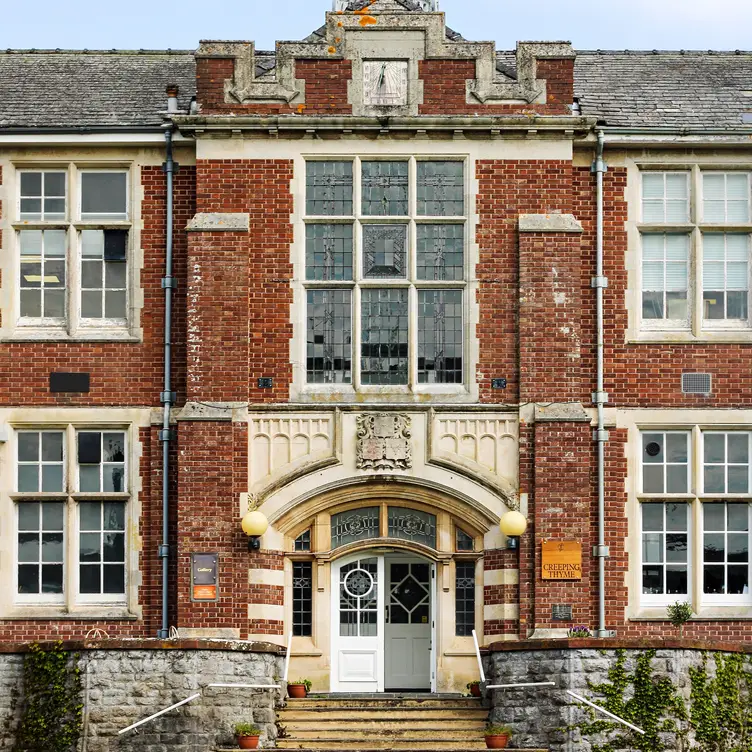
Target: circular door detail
<point>358,583</point>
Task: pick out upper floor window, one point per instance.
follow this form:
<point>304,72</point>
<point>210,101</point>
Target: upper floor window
<point>711,496</point>
<point>695,235</point>
<point>385,272</point>
<point>71,496</point>
<point>72,239</point>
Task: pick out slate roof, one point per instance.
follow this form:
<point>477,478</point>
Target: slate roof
<point>90,89</point>
<point>83,89</point>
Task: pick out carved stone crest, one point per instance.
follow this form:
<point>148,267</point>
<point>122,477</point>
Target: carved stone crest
<point>383,442</point>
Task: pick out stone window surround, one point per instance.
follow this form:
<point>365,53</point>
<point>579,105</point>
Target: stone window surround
<point>694,422</point>
<point>637,331</point>
<point>71,421</point>
<point>303,391</point>
<point>71,331</point>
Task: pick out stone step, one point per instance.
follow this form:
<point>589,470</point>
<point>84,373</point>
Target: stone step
<point>354,701</point>
<point>325,715</point>
<point>453,741</point>
<point>415,728</point>
<point>443,748</point>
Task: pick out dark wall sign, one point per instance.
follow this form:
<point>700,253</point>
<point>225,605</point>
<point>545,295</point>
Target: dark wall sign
<point>204,577</point>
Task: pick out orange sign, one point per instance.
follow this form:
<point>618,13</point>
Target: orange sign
<point>204,592</point>
<point>561,560</point>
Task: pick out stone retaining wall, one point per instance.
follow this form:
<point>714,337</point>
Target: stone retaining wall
<point>127,680</point>
<point>544,716</point>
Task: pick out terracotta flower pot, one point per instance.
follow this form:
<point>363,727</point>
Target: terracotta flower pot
<point>296,690</point>
<point>248,742</point>
<point>497,741</point>
<point>475,690</point>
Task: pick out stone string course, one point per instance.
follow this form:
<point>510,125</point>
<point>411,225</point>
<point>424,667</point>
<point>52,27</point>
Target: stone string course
<point>126,684</point>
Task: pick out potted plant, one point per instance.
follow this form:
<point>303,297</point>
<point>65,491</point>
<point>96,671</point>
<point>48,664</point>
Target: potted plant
<point>579,631</point>
<point>497,737</point>
<point>299,688</point>
<point>474,687</point>
<point>679,614</point>
<point>248,735</point>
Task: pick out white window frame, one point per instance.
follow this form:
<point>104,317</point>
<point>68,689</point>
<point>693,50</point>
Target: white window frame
<point>696,498</point>
<point>695,228</point>
<point>664,599</point>
<point>726,495</point>
<point>357,219</point>
<point>73,325</point>
<point>71,497</point>
<point>665,494</point>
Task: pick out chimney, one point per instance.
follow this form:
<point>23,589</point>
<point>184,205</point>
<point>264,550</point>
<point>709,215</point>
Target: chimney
<point>172,98</point>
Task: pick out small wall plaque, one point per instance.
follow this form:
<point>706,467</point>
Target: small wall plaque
<point>204,577</point>
<point>498,383</point>
<point>265,382</point>
<point>561,612</point>
<point>61,381</point>
<point>561,560</point>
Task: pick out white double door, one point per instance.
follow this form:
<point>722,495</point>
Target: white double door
<point>383,623</point>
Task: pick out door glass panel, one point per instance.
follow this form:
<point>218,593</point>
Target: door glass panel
<point>409,593</point>
<point>358,601</point>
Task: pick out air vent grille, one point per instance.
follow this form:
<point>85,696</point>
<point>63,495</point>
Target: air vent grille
<point>696,383</point>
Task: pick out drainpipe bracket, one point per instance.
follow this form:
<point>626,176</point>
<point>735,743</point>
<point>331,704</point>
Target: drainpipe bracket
<point>599,398</point>
<point>599,282</point>
<point>170,397</point>
<point>598,166</point>
<point>600,434</point>
<point>167,434</point>
<point>163,551</point>
<point>175,167</point>
<point>601,552</point>
<point>169,282</point>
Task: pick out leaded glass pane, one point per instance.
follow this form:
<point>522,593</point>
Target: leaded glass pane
<point>384,346</point>
<point>440,336</point>
<point>440,251</point>
<point>385,251</point>
<point>329,252</point>
<point>464,595</point>
<point>354,525</point>
<point>464,542</point>
<point>303,541</point>
<point>302,596</point>
<point>358,592</point>
<point>440,189</point>
<point>412,525</point>
<point>384,188</point>
<point>329,347</point>
<point>409,596</point>
<point>329,188</point>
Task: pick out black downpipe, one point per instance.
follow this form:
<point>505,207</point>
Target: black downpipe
<point>168,396</point>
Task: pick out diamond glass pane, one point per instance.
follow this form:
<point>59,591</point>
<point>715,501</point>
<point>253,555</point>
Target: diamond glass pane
<point>464,598</point>
<point>384,188</point>
<point>329,188</point>
<point>329,336</point>
<point>302,598</point>
<point>384,335</point>
<point>440,252</point>
<point>412,525</point>
<point>440,190</point>
<point>440,336</point>
<point>354,525</point>
<point>385,251</point>
<point>329,251</point>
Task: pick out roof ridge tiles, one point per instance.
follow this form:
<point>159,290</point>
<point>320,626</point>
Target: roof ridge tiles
<point>114,51</point>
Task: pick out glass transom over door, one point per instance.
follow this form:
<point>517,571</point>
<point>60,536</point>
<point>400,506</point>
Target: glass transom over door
<point>358,625</point>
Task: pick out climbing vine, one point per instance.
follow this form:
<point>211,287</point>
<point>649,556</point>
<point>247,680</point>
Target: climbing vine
<point>652,705</point>
<point>51,715</point>
<point>721,711</point>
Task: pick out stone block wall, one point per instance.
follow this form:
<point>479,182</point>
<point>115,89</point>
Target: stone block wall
<point>544,717</point>
<point>126,681</point>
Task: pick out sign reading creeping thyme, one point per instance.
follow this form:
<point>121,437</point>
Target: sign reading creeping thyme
<point>561,560</point>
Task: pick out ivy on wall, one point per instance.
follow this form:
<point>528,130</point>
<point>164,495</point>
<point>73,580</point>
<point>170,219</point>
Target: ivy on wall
<point>717,717</point>
<point>51,710</point>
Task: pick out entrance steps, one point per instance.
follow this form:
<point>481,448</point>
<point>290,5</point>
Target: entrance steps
<point>410,722</point>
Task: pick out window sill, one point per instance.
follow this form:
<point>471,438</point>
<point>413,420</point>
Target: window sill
<point>79,613</point>
<point>684,337</point>
<point>61,335</point>
<point>709,613</point>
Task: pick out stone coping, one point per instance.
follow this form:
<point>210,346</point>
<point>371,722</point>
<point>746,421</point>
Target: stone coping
<point>145,643</point>
<point>618,644</point>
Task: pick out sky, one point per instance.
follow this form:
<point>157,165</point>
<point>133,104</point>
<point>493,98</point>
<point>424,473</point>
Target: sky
<point>588,24</point>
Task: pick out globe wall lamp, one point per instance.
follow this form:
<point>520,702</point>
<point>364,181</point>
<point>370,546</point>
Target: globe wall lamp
<point>513,525</point>
<point>254,525</point>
